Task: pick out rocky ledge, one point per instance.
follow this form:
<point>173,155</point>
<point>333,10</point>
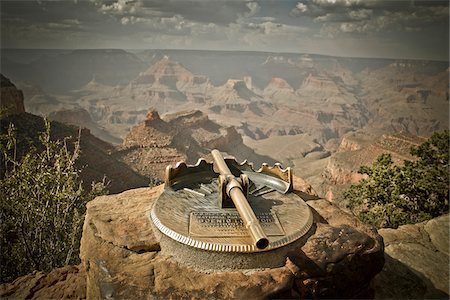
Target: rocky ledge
<point>123,260</point>
<point>417,261</point>
<point>120,251</point>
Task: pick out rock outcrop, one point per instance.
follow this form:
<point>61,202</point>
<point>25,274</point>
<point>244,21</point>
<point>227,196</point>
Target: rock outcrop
<point>320,85</point>
<point>121,252</point>
<point>165,72</point>
<point>169,81</point>
<point>11,97</point>
<point>279,91</point>
<point>417,261</point>
<point>234,92</point>
<point>358,149</point>
<point>184,136</point>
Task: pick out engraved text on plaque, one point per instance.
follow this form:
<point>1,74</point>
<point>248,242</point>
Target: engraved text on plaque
<point>229,224</point>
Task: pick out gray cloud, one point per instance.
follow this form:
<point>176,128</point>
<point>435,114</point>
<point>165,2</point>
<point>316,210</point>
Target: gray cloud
<point>371,16</point>
<point>218,12</point>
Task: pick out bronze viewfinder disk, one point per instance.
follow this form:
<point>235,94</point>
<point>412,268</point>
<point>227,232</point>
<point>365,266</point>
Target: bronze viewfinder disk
<point>228,207</point>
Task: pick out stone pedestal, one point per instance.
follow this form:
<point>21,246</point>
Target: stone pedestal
<point>121,253</point>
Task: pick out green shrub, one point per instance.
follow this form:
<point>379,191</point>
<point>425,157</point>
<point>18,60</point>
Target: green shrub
<point>395,195</point>
<point>42,206</point>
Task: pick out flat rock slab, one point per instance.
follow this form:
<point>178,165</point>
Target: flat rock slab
<point>417,261</point>
<point>121,253</point>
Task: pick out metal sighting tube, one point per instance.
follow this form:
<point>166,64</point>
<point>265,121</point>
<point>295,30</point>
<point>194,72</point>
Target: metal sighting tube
<point>234,190</point>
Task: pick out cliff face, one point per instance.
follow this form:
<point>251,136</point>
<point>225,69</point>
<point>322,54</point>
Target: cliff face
<point>81,117</point>
<point>11,97</point>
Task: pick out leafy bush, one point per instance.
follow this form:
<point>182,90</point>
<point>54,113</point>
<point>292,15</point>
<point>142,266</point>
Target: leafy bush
<point>42,206</point>
<point>395,195</point>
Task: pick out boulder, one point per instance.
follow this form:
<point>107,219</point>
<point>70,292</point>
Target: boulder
<point>121,253</point>
<point>340,258</point>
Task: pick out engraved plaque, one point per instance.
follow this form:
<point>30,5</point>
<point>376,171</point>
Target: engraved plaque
<point>229,224</point>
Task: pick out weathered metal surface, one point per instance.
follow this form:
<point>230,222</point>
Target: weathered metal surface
<point>189,212</point>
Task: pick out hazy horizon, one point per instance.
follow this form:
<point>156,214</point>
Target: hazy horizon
<point>134,51</point>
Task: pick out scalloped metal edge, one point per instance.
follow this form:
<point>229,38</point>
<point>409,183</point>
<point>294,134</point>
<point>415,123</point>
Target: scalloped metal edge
<point>241,248</point>
<point>181,168</point>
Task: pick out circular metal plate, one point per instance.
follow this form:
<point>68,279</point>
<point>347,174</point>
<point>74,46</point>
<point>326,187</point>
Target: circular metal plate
<point>188,212</point>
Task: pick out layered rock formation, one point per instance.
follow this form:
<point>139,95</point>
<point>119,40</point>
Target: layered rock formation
<point>274,93</point>
<point>234,94</point>
<point>282,95</point>
<point>121,252</point>
<point>279,91</point>
<point>406,96</point>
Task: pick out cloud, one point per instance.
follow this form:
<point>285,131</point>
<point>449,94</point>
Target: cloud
<point>71,21</point>
<point>61,25</point>
<point>119,7</point>
<point>217,11</point>
<point>301,7</point>
<point>125,20</point>
<point>254,9</point>
<point>273,28</point>
<point>361,14</point>
<point>347,16</point>
<point>371,16</point>
<point>334,3</point>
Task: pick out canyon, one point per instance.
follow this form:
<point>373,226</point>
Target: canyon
<point>301,110</point>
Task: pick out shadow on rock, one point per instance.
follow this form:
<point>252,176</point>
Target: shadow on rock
<point>398,281</point>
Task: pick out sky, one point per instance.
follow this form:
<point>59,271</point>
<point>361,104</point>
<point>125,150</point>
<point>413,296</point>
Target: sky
<point>352,28</point>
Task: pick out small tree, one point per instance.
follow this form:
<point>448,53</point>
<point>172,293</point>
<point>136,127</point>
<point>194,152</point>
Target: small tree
<point>395,195</point>
<point>42,207</point>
